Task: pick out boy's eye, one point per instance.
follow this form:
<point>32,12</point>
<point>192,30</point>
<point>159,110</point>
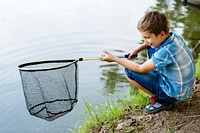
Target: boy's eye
<point>146,37</point>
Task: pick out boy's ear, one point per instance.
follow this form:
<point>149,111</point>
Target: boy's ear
<point>162,33</point>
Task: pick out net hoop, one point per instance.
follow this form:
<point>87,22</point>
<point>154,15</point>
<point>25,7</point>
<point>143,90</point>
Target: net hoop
<point>24,67</point>
<point>50,87</point>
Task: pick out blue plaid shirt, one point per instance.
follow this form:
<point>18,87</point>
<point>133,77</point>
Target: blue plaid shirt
<point>175,64</point>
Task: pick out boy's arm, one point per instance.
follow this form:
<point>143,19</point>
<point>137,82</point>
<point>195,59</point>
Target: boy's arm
<point>143,68</point>
<point>142,47</point>
<point>137,50</point>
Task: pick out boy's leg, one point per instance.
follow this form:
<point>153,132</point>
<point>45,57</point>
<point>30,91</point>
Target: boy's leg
<point>144,82</point>
<point>149,83</point>
<point>138,86</point>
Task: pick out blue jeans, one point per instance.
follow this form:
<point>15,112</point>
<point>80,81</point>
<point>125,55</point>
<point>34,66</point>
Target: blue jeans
<point>150,81</point>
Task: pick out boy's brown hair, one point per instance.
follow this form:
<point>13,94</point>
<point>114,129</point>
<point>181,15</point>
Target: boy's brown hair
<point>153,22</point>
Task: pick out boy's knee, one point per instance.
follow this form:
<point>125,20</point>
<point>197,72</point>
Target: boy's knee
<point>126,72</point>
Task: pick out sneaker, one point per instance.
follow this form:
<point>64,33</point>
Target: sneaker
<point>158,105</point>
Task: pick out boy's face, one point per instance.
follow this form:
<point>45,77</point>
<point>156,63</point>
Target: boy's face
<point>153,40</point>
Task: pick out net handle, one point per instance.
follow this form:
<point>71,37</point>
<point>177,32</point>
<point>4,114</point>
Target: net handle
<point>87,59</point>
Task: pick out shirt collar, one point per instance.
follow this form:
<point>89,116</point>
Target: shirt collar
<point>167,41</point>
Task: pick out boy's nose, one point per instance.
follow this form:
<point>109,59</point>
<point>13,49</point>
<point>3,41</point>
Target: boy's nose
<point>145,41</point>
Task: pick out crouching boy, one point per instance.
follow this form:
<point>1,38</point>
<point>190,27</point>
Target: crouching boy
<point>169,73</point>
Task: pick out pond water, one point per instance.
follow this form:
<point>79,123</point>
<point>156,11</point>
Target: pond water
<point>49,29</point>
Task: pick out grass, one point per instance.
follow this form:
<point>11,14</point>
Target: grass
<point>198,68</point>
<point>110,112</point>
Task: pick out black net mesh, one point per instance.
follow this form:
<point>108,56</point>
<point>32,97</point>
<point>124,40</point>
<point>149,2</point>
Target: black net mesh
<point>50,87</point>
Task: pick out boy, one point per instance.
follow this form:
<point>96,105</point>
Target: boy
<point>169,74</point>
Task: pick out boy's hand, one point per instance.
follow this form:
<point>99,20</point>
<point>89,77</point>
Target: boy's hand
<point>106,56</point>
<point>132,54</point>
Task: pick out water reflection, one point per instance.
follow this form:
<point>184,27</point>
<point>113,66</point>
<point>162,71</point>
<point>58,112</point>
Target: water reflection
<point>113,77</point>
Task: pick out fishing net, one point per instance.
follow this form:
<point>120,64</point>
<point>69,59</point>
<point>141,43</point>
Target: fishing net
<point>50,87</point>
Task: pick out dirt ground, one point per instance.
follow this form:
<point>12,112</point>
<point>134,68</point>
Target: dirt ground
<point>184,118</point>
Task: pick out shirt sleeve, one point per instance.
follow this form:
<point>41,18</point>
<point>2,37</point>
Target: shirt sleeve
<point>161,58</point>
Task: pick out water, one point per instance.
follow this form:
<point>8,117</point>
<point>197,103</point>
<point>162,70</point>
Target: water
<point>49,29</point>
